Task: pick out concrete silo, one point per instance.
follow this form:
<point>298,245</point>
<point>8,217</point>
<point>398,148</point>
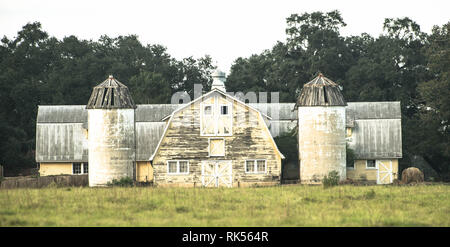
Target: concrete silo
<point>111,133</point>
<point>321,130</point>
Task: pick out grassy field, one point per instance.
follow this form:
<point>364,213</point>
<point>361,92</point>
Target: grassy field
<point>295,205</point>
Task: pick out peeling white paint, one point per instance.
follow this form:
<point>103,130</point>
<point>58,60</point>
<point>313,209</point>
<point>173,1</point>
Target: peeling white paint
<point>322,145</point>
<point>112,149</point>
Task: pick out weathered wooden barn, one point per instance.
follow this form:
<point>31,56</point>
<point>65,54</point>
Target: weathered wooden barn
<point>374,133</point>
<point>215,140</point>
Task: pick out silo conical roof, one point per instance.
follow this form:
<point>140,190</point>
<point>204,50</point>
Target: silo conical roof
<point>110,94</point>
<point>321,91</point>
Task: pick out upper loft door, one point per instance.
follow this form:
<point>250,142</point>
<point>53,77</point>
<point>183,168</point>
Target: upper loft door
<point>216,116</point>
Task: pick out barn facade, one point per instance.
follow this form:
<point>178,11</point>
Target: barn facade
<point>217,140</point>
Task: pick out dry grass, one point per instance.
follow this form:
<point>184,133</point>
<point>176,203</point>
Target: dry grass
<point>423,205</point>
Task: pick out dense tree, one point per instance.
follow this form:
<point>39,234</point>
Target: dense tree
<point>194,72</point>
<point>150,88</point>
<point>313,45</point>
<point>38,69</point>
<point>434,104</point>
<point>23,66</point>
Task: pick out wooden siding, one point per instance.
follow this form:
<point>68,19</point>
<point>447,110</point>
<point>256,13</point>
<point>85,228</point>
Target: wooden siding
<point>47,169</point>
<point>249,140</point>
<point>360,172</point>
<point>144,171</point>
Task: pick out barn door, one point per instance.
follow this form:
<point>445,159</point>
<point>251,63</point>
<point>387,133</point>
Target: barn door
<point>217,173</point>
<point>384,172</point>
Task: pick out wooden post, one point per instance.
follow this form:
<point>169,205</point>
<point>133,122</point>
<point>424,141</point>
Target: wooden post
<point>1,171</point>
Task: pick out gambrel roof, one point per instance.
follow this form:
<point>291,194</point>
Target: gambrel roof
<point>215,90</point>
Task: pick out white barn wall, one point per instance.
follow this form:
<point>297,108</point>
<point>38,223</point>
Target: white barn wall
<point>112,149</point>
<point>322,145</point>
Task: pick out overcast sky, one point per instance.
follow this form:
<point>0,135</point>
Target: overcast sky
<point>225,30</point>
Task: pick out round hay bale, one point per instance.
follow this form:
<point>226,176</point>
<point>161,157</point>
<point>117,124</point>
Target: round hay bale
<point>412,175</point>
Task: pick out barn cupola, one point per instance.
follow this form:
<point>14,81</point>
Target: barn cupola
<point>110,94</point>
<point>321,91</point>
<point>218,80</point>
<point>321,130</point>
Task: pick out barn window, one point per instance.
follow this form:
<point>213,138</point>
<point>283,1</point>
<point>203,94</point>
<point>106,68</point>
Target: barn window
<point>172,167</point>
<point>249,166</point>
<point>255,166</point>
<point>224,109</point>
<point>371,164</point>
<point>225,120</point>
<point>76,168</point>
<point>207,110</point>
<point>80,168</point>
<point>261,166</point>
<point>216,147</point>
<point>350,165</point>
<point>183,166</point>
<point>85,168</point>
<point>177,167</point>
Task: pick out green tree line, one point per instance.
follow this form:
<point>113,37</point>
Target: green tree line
<point>37,69</point>
<point>401,64</point>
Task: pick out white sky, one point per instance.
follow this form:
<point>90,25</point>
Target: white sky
<point>225,30</point>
